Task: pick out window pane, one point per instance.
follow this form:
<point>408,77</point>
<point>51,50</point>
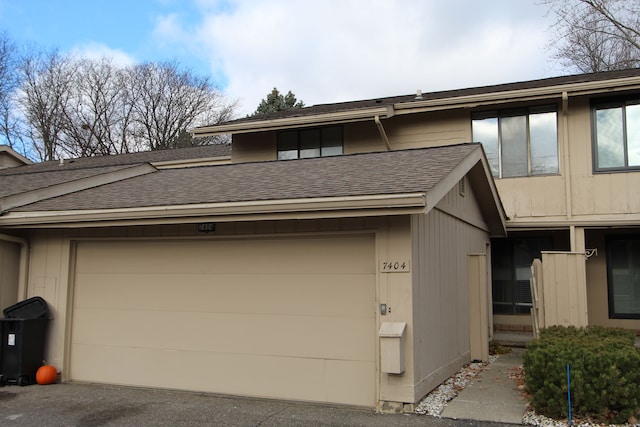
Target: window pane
<point>331,141</point>
<point>513,131</point>
<point>633,134</point>
<point>609,138</point>
<point>486,132</point>
<point>309,143</point>
<point>332,137</point>
<point>502,277</point>
<point>623,264</point>
<point>331,151</point>
<point>287,155</point>
<point>288,141</point>
<point>543,136</point>
<point>310,153</point>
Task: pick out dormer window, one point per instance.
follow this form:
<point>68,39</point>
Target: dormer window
<point>309,143</point>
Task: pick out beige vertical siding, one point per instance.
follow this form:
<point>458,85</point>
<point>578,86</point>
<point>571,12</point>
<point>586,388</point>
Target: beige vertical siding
<point>9,273</point>
<point>564,289</point>
<point>441,307</point>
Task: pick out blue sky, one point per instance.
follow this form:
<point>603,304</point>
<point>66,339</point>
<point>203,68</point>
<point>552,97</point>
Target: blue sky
<point>322,50</point>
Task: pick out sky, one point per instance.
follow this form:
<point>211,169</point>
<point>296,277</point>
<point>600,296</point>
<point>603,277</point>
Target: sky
<point>324,51</point>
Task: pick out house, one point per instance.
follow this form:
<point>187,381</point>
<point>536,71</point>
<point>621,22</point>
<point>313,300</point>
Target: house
<point>565,157</point>
<point>355,253</point>
<point>356,279</point>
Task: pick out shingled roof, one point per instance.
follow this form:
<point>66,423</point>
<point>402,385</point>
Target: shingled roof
<point>379,173</point>
<point>367,176</point>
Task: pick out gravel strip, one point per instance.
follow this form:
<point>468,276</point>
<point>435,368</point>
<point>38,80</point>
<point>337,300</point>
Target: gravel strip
<point>434,403</point>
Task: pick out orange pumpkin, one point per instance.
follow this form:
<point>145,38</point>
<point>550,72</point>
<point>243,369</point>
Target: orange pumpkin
<point>46,374</point>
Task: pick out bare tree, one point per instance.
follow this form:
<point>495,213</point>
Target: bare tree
<point>596,35</point>
<point>47,82</point>
<point>9,83</point>
<point>74,107</point>
<point>98,115</point>
<point>169,101</point>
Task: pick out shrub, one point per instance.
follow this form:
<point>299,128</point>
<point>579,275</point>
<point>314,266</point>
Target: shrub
<point>496,348</point>
<point>605,373</point>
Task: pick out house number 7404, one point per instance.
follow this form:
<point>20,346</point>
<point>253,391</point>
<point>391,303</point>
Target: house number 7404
<point>394,266</point>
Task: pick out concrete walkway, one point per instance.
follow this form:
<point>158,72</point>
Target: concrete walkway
<point>492,395</point>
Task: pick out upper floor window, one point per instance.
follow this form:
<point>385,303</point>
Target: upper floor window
<point>617,135</point>
<point>312,142</point>
<point>520,142</point>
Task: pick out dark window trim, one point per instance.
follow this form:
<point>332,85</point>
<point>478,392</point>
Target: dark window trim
<point>515,112</point>
<point>612,313</point>
<point>619,101</point>
<point>306,129</point>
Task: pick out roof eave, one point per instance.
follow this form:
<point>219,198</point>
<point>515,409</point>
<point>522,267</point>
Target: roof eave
<point>288,122</point>
<point>328,207</point>
<point>417,106</point>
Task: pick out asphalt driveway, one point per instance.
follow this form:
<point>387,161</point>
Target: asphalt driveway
<point>97,405</point>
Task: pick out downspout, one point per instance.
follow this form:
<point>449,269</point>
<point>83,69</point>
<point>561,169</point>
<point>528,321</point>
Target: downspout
<point>24,263</point>
<point>383,134</point>
<point>567,168</point>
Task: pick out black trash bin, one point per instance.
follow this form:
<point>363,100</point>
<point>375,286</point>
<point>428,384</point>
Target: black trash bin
<point>23,334</point>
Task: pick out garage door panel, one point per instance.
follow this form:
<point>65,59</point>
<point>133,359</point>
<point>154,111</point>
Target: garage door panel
<point>338,255</point>
<point>289,318</point>
<point>253,375</point>
<point>230,293</point>
<point>299,336</point>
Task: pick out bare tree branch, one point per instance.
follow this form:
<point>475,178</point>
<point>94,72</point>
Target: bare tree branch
<point>596,35</point>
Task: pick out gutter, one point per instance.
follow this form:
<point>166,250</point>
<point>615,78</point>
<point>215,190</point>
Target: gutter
<point>545,92</point>
<point>326,207</point>
<point>24,263</point>
<point>296,121</point>
<point>439,104</point>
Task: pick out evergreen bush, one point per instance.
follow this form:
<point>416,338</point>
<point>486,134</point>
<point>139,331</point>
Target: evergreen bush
<point>605,373</point>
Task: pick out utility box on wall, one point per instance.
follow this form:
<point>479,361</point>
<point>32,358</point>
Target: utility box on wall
<point>392,347</point>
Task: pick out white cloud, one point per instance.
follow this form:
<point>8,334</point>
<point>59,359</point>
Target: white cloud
<point>338,50</point>
<point>98,51</point>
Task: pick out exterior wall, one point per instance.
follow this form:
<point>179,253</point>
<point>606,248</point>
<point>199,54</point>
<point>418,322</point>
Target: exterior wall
<point>52,265</point>
<point>8,161</point>
<point>409,131</point>
<point>445,238</point>
<point>9,273</point>
<point>253,147</point>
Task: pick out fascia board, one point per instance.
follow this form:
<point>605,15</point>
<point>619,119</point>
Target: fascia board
<point>257,210</point>
<point>28,197</point>
<point>591,221</point>
<point>468,101</point>
<point>547,92</point>
<point>288,122</point>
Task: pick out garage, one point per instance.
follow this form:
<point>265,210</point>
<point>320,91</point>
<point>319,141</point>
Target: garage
<point>279,317</point>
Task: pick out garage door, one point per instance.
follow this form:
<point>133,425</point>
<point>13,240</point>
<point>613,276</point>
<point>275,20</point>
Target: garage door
<point>282,318</point>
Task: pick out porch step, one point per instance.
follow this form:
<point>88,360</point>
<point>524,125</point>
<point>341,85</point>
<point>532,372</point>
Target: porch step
<point>512,338</point>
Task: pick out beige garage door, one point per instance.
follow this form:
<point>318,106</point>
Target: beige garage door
<point>286,318</point>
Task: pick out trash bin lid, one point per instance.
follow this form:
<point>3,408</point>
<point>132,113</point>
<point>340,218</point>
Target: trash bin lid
<point>32,308</point>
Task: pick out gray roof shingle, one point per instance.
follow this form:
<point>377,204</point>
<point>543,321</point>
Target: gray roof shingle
<point>380,173</point>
